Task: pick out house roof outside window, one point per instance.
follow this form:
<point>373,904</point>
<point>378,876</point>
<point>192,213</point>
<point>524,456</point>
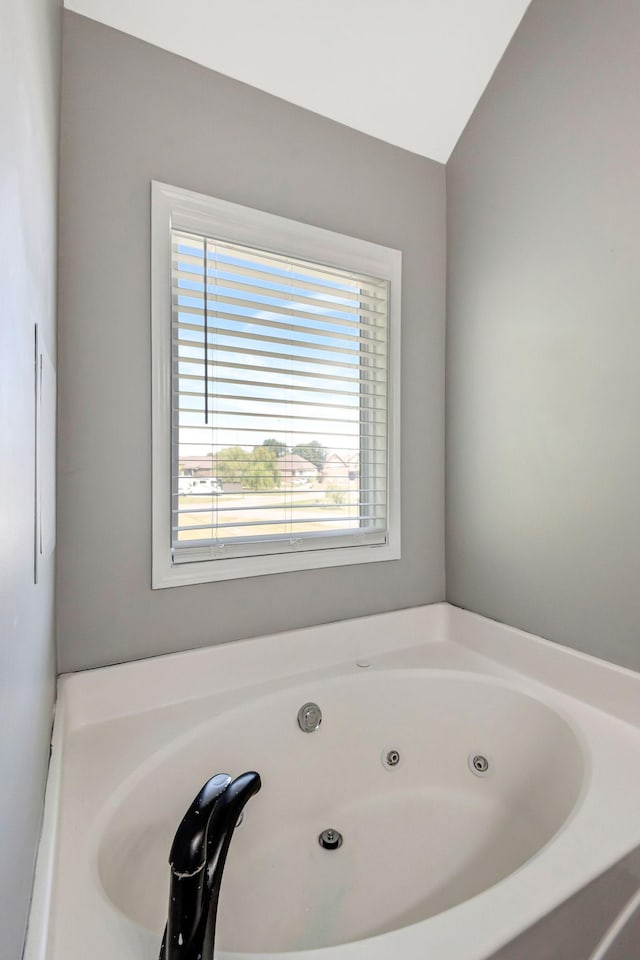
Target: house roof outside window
<point>293,465</point>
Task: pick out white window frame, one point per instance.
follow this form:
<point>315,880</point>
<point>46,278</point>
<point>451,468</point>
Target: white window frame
<point>173,207</point>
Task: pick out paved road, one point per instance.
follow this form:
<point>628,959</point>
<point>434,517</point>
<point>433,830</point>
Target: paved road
<point>246,499</point>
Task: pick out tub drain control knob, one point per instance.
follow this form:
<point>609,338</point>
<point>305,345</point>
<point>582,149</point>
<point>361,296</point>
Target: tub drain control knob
<point>309,717</point>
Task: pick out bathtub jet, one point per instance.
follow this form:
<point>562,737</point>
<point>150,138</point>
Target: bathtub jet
<point>197,860</point>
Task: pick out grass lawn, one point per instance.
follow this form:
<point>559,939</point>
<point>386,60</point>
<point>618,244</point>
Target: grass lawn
<point>253,510</point>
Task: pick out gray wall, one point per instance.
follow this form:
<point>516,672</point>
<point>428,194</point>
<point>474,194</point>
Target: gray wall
<point>543,457</point>
<point>132,113</point>
<point>29,91</point>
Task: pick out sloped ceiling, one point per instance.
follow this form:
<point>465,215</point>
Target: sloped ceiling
<point>407,71</point>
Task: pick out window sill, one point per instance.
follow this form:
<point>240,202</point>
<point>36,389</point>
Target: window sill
<point>207,571</point>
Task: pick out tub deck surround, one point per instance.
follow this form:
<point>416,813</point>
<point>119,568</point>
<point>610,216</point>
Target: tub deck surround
<point>473,860</point>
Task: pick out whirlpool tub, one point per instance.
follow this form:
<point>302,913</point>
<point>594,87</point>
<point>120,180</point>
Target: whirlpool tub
<point>474,774</point>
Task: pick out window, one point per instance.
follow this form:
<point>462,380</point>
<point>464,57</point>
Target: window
<point>275,393</point>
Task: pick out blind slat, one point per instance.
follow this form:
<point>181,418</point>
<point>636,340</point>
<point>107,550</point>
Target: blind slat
<point>287,320</point>
<point>245,399</point>
<point>271,523</point>
<point>260,430</point>
<point>280,507</point>
<point>214,344</point>
<point>380,387</point>
<point>213,329</point>
<point>314,375</point>
<point>359,416</point>
<point>293,360</point>
<point>279,309</point>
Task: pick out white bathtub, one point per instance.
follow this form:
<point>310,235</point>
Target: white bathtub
<point>436,860</point>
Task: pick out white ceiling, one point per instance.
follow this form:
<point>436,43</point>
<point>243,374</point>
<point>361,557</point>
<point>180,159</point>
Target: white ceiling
<point>407,71</point>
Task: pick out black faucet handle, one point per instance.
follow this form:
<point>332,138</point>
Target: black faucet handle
<point>188,851</point>
<point>224,818</point>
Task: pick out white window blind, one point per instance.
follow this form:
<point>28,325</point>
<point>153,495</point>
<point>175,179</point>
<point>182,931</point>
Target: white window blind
<point>279,403</point>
